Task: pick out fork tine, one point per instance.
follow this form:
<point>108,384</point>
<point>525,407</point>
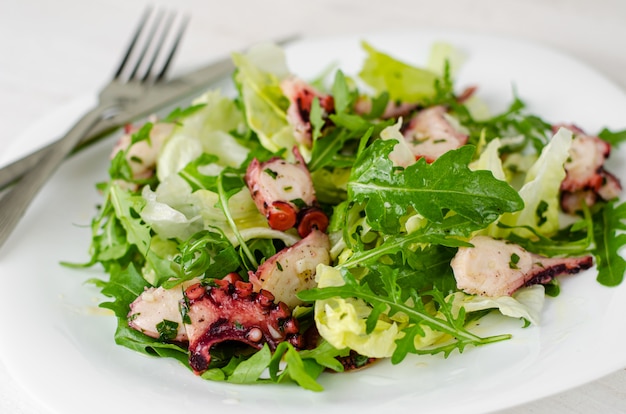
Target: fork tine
<point>155,54</point>
<point>148,42</point>
<point>166,65</point>
<point>133,42</point>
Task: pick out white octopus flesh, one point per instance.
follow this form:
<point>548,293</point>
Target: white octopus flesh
<point>497,268</point>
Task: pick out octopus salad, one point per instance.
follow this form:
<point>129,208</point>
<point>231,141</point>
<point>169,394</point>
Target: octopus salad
<point>311,226</point>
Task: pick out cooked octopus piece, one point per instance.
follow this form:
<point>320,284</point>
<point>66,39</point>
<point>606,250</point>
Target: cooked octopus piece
<point>301,95</point>
<point>586,180</point>
<point>284,193</point>
<point>293,269</point>
<point>226,311</point>
<point>432,132</point>
<point>497,268</point>
<point>158,307</point>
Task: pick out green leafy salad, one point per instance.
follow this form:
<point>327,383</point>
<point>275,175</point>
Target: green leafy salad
<point>305,226</point>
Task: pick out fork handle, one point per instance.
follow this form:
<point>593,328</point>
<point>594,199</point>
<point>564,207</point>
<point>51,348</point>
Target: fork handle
<point>14,203</point>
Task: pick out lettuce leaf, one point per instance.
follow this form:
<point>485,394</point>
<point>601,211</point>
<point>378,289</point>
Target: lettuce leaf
<point>610,239</point>
<point>541,190</point>
<point>400,80</point>
<point>258,77</point>
<point>207,129</point>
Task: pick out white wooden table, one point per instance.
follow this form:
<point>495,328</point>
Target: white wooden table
<point>55,52</point>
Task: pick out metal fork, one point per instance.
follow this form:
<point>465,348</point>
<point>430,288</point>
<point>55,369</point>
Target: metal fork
<point>144,66</point>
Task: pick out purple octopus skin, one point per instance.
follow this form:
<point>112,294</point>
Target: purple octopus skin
<point>229,311</point>
<point>497,268</point>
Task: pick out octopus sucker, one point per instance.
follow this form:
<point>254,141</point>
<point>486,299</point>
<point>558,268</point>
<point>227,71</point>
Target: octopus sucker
<point>497,268</point>
<point>224,311</point>
<point>311,218</point>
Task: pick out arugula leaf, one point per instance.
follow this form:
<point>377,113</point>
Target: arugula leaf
<point>342,96</point>
<point>250,370</point>
<point>284,364</point>
<point>431,189</point>
<point>207,253</point>
<point>179,113</point>
<point>614,138</point>
<point>303,372</point>
<point>135,340</point>
<point>124,286</point>
<point>194,177</point>
<point>127,207</point>
<point>609,228</point>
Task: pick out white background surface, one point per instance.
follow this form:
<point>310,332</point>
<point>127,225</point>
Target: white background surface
<point>54,52</point>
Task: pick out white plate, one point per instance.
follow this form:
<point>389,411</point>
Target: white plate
<point>59,345</point>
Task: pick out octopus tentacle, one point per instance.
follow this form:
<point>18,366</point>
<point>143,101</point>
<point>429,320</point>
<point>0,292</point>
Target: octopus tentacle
<point>498,268</point>
<point>225,311</point>
<point>283,192</point>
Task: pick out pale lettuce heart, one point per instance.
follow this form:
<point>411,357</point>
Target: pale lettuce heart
<point>490,160</point>
<point>166,221</point>
<point>341,322</point>
<point>259,73</point>
<point>541,189</point>
<point>206,130</point>
<point>401,155</point>
<point>177,152</point>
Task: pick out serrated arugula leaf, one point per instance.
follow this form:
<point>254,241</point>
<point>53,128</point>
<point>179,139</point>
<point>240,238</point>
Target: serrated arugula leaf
<point>127,208</point>
<point>250,370</point>
<point>207,253</point>
<point>283,365</point>
<point>135,340</point>
<point>123,286</point>
<point>194,177</point>
<point>303,372</point>
<point>431,189</point>
<point>179,113</point>
<point>610,239</point>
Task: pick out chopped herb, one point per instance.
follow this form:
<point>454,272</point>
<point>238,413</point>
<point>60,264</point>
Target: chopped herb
<point>298,202</point>
<point>271,173</point>
<point>514,261</point>
<point>167,330</point>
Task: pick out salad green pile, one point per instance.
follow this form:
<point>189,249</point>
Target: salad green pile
<point>389,290</point>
